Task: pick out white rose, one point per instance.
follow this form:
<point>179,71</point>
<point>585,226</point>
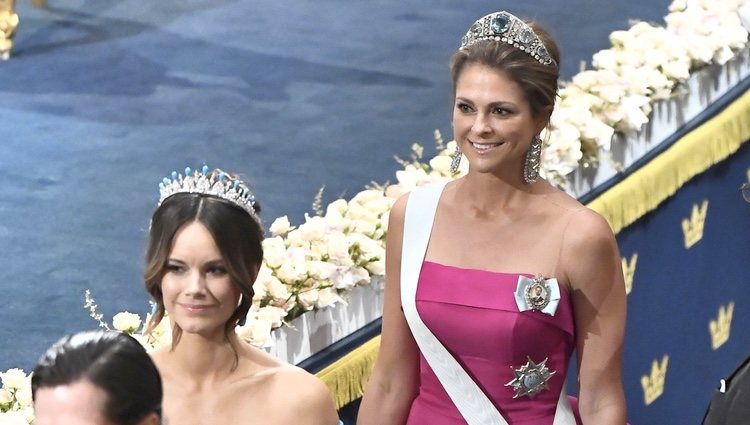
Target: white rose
<point>364,226</point>
<point>24,397</point>
<point>318,249</point>
<point>313,229</point>
<point>280,226</point>
<point>633,116</point>
<point>328,297</point>
<point>411,177</point>
<point>308,298</point>
<point>366,196</point>
<point>678,5</point>
<point>359,212</point>
<point>377,267</point>
<point>274,251</point>
<point>351,277</point>
<point>321,270</point>
<point>272,314</point>
<point>338,247</point>
<point>595,129</point>
<point>278,291</point>
<point>290,272</point>
<point>256,332</point>
<point>370,248</point>
<point>620,38</point>
<point>677,70</point>
<point>441,164</point>
<point>14,379</point>
<point>337,209</point>
<point>604,59</point>
<point>126,322</point>
<point>6,397</point>
<point>383,205</point>
<point>586,79</point>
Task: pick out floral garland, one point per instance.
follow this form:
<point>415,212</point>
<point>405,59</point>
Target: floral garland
<point>318,263</point>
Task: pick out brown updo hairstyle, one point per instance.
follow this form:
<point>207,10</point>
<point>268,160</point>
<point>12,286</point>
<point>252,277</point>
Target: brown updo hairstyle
<point>237,234</point>
<point>538,81</point>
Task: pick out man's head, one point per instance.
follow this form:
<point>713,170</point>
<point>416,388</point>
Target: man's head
<point>96,378</point>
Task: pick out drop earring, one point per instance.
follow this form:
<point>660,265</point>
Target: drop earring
<point>533,161</point>
<point>455,160</point>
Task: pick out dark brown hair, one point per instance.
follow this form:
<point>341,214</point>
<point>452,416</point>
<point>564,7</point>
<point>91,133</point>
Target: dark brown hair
<point>237,234</point>
<point>538,82</point>
<point>112,361</point>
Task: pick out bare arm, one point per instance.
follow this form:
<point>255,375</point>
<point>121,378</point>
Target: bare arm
<point>395,378</point>
<point>599,303</point>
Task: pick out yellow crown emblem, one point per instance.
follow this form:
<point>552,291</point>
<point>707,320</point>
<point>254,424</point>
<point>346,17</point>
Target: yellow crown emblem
<point>653,385</point>
<point>628,271</point>
<point>720,327</point>
<point>693,228</point>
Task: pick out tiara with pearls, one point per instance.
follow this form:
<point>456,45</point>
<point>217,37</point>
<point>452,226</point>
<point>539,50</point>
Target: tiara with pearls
<point>505,27</point>
<point>215,183</point>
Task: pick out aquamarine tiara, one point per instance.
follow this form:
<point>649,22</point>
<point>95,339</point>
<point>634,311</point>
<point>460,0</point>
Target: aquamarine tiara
<point>215,183</point>
<point>505,27</point>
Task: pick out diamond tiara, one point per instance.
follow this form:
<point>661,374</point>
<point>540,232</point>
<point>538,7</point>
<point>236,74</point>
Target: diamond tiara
<point>215,183</point>
<point>505,27</point>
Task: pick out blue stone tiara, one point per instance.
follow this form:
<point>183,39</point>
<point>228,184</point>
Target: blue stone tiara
<point>215,183</point>
<point>505,27</point>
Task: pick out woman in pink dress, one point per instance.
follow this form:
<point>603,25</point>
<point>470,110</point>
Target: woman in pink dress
<point>495,279</point>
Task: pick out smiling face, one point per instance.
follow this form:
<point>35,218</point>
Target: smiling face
<point>199,294</point>
<point>493,123</point>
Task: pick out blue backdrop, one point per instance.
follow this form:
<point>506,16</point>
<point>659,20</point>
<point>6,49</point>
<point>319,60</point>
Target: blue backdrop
<point>677,291</point>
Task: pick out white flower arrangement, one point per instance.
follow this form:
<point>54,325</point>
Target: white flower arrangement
<point>316,264</point>
<point>15,398</point>
<point>646,63</point>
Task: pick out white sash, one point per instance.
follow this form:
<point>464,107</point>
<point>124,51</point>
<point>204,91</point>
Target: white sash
<point>471,401</point>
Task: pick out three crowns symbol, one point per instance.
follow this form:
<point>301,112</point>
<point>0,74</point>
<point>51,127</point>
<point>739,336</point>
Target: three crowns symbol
<point>693,228</point>
<point>720,327</point>
<point>653,385</point>
<point>628,271</point>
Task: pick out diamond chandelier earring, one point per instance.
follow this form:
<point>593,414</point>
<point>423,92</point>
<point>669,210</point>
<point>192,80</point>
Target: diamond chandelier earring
<point>455,160</point>
<point>533,160</point>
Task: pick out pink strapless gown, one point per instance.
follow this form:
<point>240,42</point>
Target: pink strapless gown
<point>474,314</point>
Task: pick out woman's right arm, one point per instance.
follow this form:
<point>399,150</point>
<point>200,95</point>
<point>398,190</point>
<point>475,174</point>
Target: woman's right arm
<point>395,378</point>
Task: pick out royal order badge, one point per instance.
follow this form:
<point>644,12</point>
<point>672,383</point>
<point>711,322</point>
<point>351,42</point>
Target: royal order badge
<point>538,294</point>
<point>530,379</point>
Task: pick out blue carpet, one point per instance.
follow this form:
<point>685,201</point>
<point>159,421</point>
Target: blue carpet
<point>103,98</point>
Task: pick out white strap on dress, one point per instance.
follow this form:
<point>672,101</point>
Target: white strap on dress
<point>470,400</point>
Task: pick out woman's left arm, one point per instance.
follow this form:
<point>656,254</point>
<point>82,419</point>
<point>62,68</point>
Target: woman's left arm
<point>594,271</point>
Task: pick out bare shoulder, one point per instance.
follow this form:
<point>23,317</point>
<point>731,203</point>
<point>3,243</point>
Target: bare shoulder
<point>588,230</point>
<point>582,224</point>
<point>312,397</point>
<point>590,252</point>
